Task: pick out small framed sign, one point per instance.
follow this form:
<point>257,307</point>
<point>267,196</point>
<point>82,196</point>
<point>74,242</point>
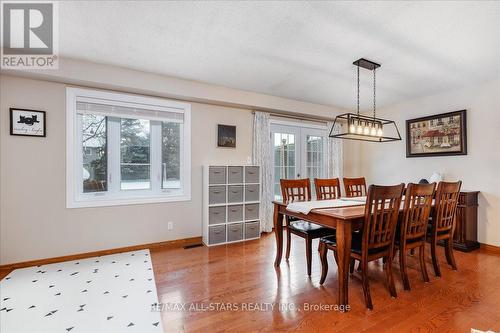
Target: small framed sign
<point>27,122</point>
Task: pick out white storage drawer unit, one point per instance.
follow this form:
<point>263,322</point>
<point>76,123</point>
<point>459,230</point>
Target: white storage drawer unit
<point>231,202</point>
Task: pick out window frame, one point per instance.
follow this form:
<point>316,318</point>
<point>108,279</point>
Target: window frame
<point>76,198</point>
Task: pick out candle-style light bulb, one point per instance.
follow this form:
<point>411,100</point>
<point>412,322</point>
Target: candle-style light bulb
<point>366,130</point>
<point>359,129</point>
<point>352,128</point>
<point>373,131</point>
<point>380,132</point>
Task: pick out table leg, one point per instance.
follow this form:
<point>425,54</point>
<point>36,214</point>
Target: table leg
<point>278,232</point>
<point>344,238</point>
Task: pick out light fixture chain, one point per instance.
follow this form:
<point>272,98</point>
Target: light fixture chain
<point>358,89</point>
<point>374,92</point>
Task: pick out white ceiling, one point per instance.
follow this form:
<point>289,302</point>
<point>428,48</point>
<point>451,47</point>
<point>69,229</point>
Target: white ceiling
<point>299,50</point>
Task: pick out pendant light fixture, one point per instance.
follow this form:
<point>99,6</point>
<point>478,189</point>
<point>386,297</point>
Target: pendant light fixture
<point>363,127</point>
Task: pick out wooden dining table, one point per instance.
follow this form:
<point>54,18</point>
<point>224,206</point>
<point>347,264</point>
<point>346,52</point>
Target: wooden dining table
<point>345,220</point>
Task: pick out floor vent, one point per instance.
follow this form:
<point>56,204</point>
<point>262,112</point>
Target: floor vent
<point>192,246</point>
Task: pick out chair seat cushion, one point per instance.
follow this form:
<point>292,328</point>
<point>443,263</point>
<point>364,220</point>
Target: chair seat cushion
<point>311,229</point>
<point>355,243</point>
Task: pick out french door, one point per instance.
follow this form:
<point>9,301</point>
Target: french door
<point>298,151</point>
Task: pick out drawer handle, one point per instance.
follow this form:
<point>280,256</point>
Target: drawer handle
<point>216,192</point>
<point>234,229</point>
<point>232,191</point>
<point>233,172</point>
<point>251,227</point>
<point>250,209</point>
<point>216,172</point>
<point>234,210</point>
<point>215,213</point>
<point>251,173</point>
<point>251,191</point>
<point>217,232</point>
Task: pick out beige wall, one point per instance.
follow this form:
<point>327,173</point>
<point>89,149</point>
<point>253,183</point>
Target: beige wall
<point>479,170</point>
<point>34,221</point>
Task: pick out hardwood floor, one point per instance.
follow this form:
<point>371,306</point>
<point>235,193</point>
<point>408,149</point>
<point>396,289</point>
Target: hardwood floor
<point>244,273</point>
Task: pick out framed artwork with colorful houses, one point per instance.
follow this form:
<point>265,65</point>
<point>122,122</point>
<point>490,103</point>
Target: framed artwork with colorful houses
<point>437,135</point>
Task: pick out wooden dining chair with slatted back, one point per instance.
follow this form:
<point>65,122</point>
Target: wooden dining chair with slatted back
<point>376,240</point>
<point>355,187</point>
<point>412,227</point>
<point>442,223</point>
<point>300,190</point>
<point>327,189</point>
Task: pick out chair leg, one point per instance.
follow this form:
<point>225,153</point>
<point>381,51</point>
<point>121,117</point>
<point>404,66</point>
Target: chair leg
<point>390,277</point>
<point>366,286</point>
<point>412,251</point>
<point>336,257</point>
<point>351,266</point>
<point>309,254</point>
<point>288,243</point>
<point>450,258</point>
<point>435,262</point>
<point>403,268</point>
<point>423,267</point>
<point>323,251</point>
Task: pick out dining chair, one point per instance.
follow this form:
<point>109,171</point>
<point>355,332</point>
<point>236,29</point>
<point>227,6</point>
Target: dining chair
<point>412,227</point>
<point>375,241</point>
<point>327,189</point>
<point>300,190</point>
<point>355,187</point>
<point>442,222</point>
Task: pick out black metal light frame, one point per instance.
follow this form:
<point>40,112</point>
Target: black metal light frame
<point>358,120</point>
<point>346,117</point>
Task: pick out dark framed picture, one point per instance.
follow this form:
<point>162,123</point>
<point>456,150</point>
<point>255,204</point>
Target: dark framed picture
<point>438,135</point>
<point>226,136</point>
<point>27,122</point>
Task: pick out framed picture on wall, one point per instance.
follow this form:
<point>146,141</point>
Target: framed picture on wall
<point>27,122</point>
<point>226,136</point>
<point>438,135</point>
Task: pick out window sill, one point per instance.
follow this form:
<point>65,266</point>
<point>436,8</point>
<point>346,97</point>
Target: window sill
<point>85,203</point>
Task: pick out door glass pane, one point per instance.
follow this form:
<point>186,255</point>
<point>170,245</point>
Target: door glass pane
<point>315,158</point>
<point>171,155</point>
<point>95,163</point>
<point>284,159</point>
<point>135,154</point>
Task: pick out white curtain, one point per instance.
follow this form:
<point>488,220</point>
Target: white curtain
<point>334,154</point>
<point>261,155</point>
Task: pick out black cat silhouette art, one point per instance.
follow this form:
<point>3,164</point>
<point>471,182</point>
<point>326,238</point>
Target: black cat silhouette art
<point>27,120</point>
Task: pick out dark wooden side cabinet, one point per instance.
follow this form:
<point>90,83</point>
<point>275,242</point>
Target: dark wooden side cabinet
<point>465,237</point>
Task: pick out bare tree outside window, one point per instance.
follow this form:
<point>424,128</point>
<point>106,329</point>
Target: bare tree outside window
<point>171,155</point>
<point>94,142</point>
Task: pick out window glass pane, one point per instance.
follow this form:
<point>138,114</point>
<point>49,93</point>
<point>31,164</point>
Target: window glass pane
<point>314,158</point>
<point>284,160</point>
<point>135,154</point>
<point>95,166</point>
<point>171,155</point>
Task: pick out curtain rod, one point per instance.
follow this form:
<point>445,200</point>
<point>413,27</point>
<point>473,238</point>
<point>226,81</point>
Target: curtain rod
<point>300,116</point>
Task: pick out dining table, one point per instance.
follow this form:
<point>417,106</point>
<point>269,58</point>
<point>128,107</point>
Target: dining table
<point>344,219</point>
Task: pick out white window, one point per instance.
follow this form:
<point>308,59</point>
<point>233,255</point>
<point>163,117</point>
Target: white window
<point>298,151</point>
<point>126,149</point>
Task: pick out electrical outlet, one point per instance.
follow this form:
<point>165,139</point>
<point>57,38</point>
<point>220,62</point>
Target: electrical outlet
<point>170,225</point>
